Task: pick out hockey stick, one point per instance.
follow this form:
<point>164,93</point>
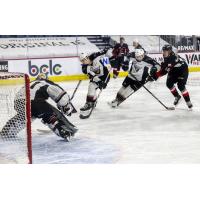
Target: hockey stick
<point>75,90</point>
<point>166,107</point>
<point>74,109</point>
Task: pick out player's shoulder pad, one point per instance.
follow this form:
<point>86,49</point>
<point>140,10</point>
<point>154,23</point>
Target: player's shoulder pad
<point>173,58</point>
<point>53,84</point>
<point>131,55</point>
<point>150,60</point>
<point>84,68</point>
<point>96,54</point>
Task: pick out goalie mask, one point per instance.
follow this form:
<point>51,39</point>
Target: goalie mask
<point>42,76</point>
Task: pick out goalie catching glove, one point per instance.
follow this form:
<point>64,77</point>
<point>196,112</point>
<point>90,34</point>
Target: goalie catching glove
<point>67,109</point>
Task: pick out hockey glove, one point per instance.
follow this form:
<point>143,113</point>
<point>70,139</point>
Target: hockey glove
<point>96,79</point>
<point>124,67</point>
<point>67,109</point>
<point>102,85</point>
<point>153,74</point>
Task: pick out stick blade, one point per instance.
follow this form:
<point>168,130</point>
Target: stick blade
<point>170,108</point>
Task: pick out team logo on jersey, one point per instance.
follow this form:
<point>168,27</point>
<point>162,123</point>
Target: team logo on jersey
<point>106,62</point>
<point>49,69</point>
<point>3,66</point>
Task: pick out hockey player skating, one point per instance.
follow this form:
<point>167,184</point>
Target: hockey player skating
<point>41,89</point>
<point>139,67</point>
<point>177,70</point>
<point>97,68</point>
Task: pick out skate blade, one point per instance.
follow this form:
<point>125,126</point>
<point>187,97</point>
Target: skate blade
<point>170,108</point>
<point>84,117</point>
<point>85,114</point>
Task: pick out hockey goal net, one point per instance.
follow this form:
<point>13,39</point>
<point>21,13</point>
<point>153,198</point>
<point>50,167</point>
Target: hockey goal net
<point>15,122</point>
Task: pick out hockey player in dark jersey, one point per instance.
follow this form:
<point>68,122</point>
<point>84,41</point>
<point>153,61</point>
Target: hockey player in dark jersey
<point>40,90</point>
<point>119,51</point>
<point>139,67</point>
<point>177,70</point>
<point>97,67</point>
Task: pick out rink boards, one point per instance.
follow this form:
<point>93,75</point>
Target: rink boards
<point>69,68</point>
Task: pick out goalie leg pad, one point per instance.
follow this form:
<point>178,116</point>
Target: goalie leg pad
<point>62,128</point>
<point>57,122</point>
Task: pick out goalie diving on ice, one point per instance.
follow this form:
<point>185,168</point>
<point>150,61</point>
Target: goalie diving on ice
<point>40,90</point>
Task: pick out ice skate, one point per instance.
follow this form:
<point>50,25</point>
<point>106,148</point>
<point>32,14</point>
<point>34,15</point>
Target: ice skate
<point>177,100</point>
<point>189,104</point>
<point>85,111</point>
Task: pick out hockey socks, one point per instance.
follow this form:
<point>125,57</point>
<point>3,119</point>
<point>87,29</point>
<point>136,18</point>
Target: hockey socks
<point>186,96</point>
<point>176,95</point>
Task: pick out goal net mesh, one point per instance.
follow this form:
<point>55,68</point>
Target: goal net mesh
<point>15,132</point>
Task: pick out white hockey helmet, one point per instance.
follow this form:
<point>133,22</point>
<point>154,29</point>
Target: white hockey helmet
<point>139,54</point>
<point>83,56</point>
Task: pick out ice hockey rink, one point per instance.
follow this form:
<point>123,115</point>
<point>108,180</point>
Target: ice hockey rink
<point>139,131</point>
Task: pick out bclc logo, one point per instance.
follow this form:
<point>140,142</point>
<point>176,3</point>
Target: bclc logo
<point>50,69</point>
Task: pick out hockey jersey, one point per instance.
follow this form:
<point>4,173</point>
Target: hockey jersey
<point>41,90</point>
<point>138,68</point>
<point>100,65</point>
<point>172,65</point>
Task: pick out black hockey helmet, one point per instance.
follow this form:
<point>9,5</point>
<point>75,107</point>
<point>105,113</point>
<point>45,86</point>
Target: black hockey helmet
<point>167,47</point>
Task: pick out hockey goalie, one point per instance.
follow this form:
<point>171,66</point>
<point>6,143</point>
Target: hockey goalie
<point>41,89</point>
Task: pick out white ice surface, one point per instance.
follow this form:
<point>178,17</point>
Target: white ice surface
<point>139,131</point>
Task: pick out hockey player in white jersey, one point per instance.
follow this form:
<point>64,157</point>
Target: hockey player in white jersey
<point>139,66</point>
<point>40,90</point>
<point>97,67</point>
